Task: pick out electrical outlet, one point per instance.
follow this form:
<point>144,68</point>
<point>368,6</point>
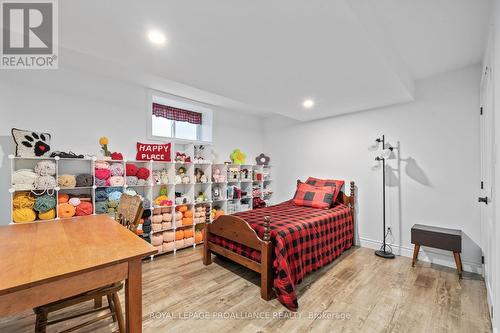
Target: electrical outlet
<point>389,230</point>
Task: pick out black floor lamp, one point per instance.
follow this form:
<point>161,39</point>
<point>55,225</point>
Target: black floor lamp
<point>385,250</point>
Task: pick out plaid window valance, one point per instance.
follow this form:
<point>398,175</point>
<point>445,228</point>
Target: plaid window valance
<point>176,114</point>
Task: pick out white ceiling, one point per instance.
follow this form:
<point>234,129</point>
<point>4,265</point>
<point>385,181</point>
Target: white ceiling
<point>267,56</point>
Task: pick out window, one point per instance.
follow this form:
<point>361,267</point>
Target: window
<point>172,117</point>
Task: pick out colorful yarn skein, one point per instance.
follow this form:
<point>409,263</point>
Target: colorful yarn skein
<point>84,180</point>
<point>67,181</point>
<point>131,169</point>
<point>116,169</point>
<point>116,181</point>
<point>102,165</point>
<point>65,210</point>
<point>44,203</point>
<point>84,208</point>
<point>143,173</point>
<point>23,179</point>
<point>45,168</point>
<point>102,174</point>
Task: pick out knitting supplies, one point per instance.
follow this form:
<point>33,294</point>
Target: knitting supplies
<point>146,228</point>
<point>44,203</point>
<point>84,180</point>
<point>114,189</point>
<point>142,182</point>
<point>131,169</point>
<point>74,202</point>
<point>116,169</point>
<point>62,197</point>
<point>157,219</point>
<point>113,203</point>
<point>101,207</point>
<point>23,179</point>
<point>179,234</point>
<point>23,200</point>
<point>188,241</point>
<point>45,168</point>
<point>114,196</point>
<point>111,210</point>
<point>156,227</point>
<point>146,213</point>
<point>116,181</point>
<point>130,191</point>
<point>65,210</point>
<point>156,239</point>
<point>84,208</point>
<point>22,215</point>
<point>168,236</point>
<point>167,217</point>
<point>101,195</point>
<point>48,215</point>
<point>116,156</point>
<point>143,173</point>
<point>45,183</point>
<point>102,165</point>
<point>67,181</point>
<point>102,173</point>
<point>132,180</point>
<point>188,233</point>
<point>168,247</point>
<point>161,199</point>
<point>179,243</point>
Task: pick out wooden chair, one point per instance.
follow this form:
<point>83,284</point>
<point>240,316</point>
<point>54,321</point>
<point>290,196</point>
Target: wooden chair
<point>128,214</point>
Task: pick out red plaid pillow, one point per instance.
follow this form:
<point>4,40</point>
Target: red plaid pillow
<point>327,182</point>
<point>312,196</point>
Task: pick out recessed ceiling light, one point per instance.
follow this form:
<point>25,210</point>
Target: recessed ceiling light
<point>157,37</point>
<point>308,103</point>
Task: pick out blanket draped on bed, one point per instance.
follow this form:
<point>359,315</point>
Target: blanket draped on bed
<point>304,239</point>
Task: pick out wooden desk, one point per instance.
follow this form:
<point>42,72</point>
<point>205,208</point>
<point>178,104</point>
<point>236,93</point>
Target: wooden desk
<point>44,262</point>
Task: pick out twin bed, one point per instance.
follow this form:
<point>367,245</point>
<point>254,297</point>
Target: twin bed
<point>283,242</point>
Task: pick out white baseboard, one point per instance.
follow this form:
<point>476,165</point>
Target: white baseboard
<point>427,254</point>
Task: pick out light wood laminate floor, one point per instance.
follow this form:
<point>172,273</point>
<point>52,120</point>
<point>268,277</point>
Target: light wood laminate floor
<point>359,292</point>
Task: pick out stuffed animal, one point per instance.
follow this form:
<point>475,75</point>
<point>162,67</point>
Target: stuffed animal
<point>200,176</point>
<point>234,173</point>
<point>184,179</point>
<point>238,157</point>
<point>181,199</point>
<point>182,157</point>
<point>201,197</point>
<point>164,176</point>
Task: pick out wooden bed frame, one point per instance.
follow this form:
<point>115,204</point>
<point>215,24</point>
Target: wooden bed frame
<point>239,231</point>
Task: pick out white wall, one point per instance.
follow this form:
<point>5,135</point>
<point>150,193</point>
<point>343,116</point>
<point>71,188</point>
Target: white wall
<point>78,108</point>
<point>438,135</point>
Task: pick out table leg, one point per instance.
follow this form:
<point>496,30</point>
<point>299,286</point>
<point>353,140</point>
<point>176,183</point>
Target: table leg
<point>415,254</point>
<point>458,262</point>
<point>133,297</point>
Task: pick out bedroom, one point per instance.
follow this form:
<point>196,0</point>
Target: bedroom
<point>189,123</point>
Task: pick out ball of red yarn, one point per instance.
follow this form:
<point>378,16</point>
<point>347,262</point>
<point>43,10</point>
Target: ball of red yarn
<point>143,173</point>
<point>116,156</point>
<point>131,169</point>
<point>84,208</point>
<point>102,173</point>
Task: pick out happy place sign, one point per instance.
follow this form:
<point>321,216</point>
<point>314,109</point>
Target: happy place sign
<point>154,152</point>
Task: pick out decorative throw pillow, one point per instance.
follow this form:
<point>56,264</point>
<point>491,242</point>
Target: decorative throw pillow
<point>327,182</point>
<point>312,196</point>
<point>31,144</point>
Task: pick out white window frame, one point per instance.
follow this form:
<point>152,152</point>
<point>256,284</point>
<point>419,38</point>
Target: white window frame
<point>182,103</point>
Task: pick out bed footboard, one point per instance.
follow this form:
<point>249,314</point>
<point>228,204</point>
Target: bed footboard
<point>239,231</point>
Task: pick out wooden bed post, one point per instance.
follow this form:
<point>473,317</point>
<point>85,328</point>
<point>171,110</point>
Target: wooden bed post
<point>352,198</point>
<point>207,256</point>
<point>266,276</point>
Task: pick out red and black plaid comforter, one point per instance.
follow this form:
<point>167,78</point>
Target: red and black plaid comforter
<point>304,238</point>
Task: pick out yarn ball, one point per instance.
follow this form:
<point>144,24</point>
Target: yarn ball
<point>102,173</point>
<point>45,183</point>
<point>188,241</point>
<point>116,181</point>
<point>114,196</point>
<point>45,168</point>
<point>101,195</point>
<point>111,210</point>
<point>168,247</point>
<point>131,169</point>
<point>62,197</point>
<point>21,215</point>
<point>146,228</point>
<point>84,208</point>
<point>116,156</point>
<point>67,181</point>
<point>65,210</point>
<point>113,203</point>
<point>23,200</point>
<point>198,236</point>
<point>114,189</point>
<point>142,182</point>
<point>44,203</point>
<point>130,191</point>
<point>179,234</point>
<point>48,215</point>
<point>74,202</point>
<point>157,218</point>
<point>101,165</point>
<point>188,233</point>
<point>101,182</point>
<point>132,180</point>
<point>101,207</point>
<point>143,173</point>
<point>116,169</point>
<point>146,213</point>
<point>146,204</point>
<point>179,243</point>
<point>23,179</point>
<point>84,180</point>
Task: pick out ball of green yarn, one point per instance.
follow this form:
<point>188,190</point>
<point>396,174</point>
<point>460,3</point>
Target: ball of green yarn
<point>44,203</point>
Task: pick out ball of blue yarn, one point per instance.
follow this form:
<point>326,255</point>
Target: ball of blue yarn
<point>113,189</point>
<point>114,196</point>
<point>44,203</point>
<point>101,195</point>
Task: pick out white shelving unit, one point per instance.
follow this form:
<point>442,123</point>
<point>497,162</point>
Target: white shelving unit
<point>216,194</point>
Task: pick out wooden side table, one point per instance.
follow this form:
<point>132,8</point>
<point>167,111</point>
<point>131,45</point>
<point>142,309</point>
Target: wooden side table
<point>439,238</point>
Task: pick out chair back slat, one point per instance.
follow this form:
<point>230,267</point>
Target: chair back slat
<point>129,211</point>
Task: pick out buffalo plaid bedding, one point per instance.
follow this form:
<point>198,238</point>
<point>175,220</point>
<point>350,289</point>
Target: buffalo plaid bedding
<point>304,239</point>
